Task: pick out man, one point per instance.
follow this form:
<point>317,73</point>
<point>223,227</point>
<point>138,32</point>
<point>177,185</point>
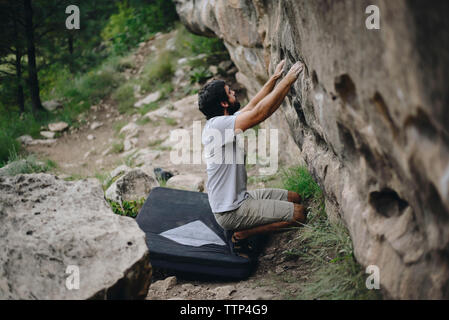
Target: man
<point>247,213</point>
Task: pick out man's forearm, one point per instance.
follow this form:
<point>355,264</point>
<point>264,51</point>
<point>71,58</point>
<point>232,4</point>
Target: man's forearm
<point>272,101</point>
<point>266,89</point>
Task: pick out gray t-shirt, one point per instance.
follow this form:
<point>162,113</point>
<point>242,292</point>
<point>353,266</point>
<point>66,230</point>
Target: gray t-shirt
<point>225,159</point>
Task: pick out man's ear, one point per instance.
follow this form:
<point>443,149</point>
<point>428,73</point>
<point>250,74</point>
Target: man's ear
<point>224,104</point>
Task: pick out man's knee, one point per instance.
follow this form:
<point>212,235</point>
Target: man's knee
<point>294,197</point>
<point>299,214</point>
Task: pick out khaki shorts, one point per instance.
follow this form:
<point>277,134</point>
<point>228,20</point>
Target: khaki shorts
<point>263,206</point>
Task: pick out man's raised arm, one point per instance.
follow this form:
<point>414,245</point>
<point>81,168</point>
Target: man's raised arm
<point>270,103</point>
<point>266,89</point>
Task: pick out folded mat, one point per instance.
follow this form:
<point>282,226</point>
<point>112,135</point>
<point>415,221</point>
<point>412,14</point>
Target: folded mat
<point>182,235</point>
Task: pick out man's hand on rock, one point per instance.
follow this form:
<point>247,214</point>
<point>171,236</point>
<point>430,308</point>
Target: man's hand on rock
<point>294,71</point>
<point>279,70</point>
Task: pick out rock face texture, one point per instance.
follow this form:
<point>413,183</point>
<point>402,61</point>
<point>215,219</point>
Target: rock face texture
<point>48,225</point>
<point>132,186</point>
<point>369,116</point>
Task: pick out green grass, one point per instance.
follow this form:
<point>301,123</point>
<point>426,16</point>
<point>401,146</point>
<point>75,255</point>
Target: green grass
<point>19,164</point>
<point>298,179</point>
<point>155,143</point>
<point>188,44</point>
<point>118,147</point>
<point>158,70</point>
<point>127,208</point>
<point>75,177</point>
<point>142,121</point>
<point>118,125</point>
<point>124,97</point>
<point>170,121</point>
<point>148,107</point>
<point>325,247</point>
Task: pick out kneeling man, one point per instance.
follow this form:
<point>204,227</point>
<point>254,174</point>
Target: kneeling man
<point>247,213</point>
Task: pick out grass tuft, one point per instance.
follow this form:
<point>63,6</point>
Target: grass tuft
<point>18,164</point>
<point>325,247</point>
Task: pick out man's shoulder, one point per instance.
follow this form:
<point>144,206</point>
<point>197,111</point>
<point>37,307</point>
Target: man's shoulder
<point>220,121</point>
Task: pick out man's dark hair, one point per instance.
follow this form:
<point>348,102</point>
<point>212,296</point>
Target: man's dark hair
<point>210,97</point>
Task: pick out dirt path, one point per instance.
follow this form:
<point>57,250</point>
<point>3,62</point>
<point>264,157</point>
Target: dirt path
<point>278,275</point>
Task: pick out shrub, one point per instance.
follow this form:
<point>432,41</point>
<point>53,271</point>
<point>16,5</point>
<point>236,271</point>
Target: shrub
<point>158,70</point>
<point>24,165</point>
<point>188,44</point>
<point>325,247</point>
<point>200,75</point>
<point>127,208</point>
<point>298,179</point>
<point>124,96</point>
<point>132,25</point>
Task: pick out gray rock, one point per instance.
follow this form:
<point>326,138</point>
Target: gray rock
<point>213,69</point>
<point>119,170</point>
<point>48,134</point>
<point>186,182</point>
<point>145,156</point>
<point>52,105</point>
<point>48,225</point>
<point>58,126</point>
<point>224,292</point>
<point>95,125</point>
<point>133,185</point>
<point>25,139</point>
<point>41,142</point>
<point>152,97</point>
<point>225,65</point>
<point>130,130</point>
<point>164,285</point>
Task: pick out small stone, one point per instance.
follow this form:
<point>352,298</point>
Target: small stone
<point>148,99</point>
<point>25,139</point>
<point>187,182</point>
<point>164,285</point>
<point>95,125</point>
<point>225,65</point>
<point>130,130</point>
<point>52,105</point>
<point>232,71</point>
<point>90,137</point>
<point>224,293</point>
<point>213,70</point>
<point>48,134</point>
<point>58,126</point>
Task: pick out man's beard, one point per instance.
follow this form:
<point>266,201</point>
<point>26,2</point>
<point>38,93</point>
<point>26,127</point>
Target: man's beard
<point>233,108</point>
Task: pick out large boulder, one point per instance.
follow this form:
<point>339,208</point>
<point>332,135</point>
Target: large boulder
<point>368,116</point>
<point>51,229</point>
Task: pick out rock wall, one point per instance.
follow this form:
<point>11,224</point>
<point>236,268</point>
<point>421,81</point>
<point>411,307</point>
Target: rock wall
<point>368,116</point>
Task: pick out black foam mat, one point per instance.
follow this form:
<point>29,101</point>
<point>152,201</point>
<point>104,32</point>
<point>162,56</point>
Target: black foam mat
<point>186,215</point>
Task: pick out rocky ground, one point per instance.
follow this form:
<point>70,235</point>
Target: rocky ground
<point>107,139</point>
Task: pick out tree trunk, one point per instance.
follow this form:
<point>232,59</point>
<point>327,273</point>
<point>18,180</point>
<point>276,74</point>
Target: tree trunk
<point>20,97</point>
<point>32,71</point>
<point>70,42</point>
